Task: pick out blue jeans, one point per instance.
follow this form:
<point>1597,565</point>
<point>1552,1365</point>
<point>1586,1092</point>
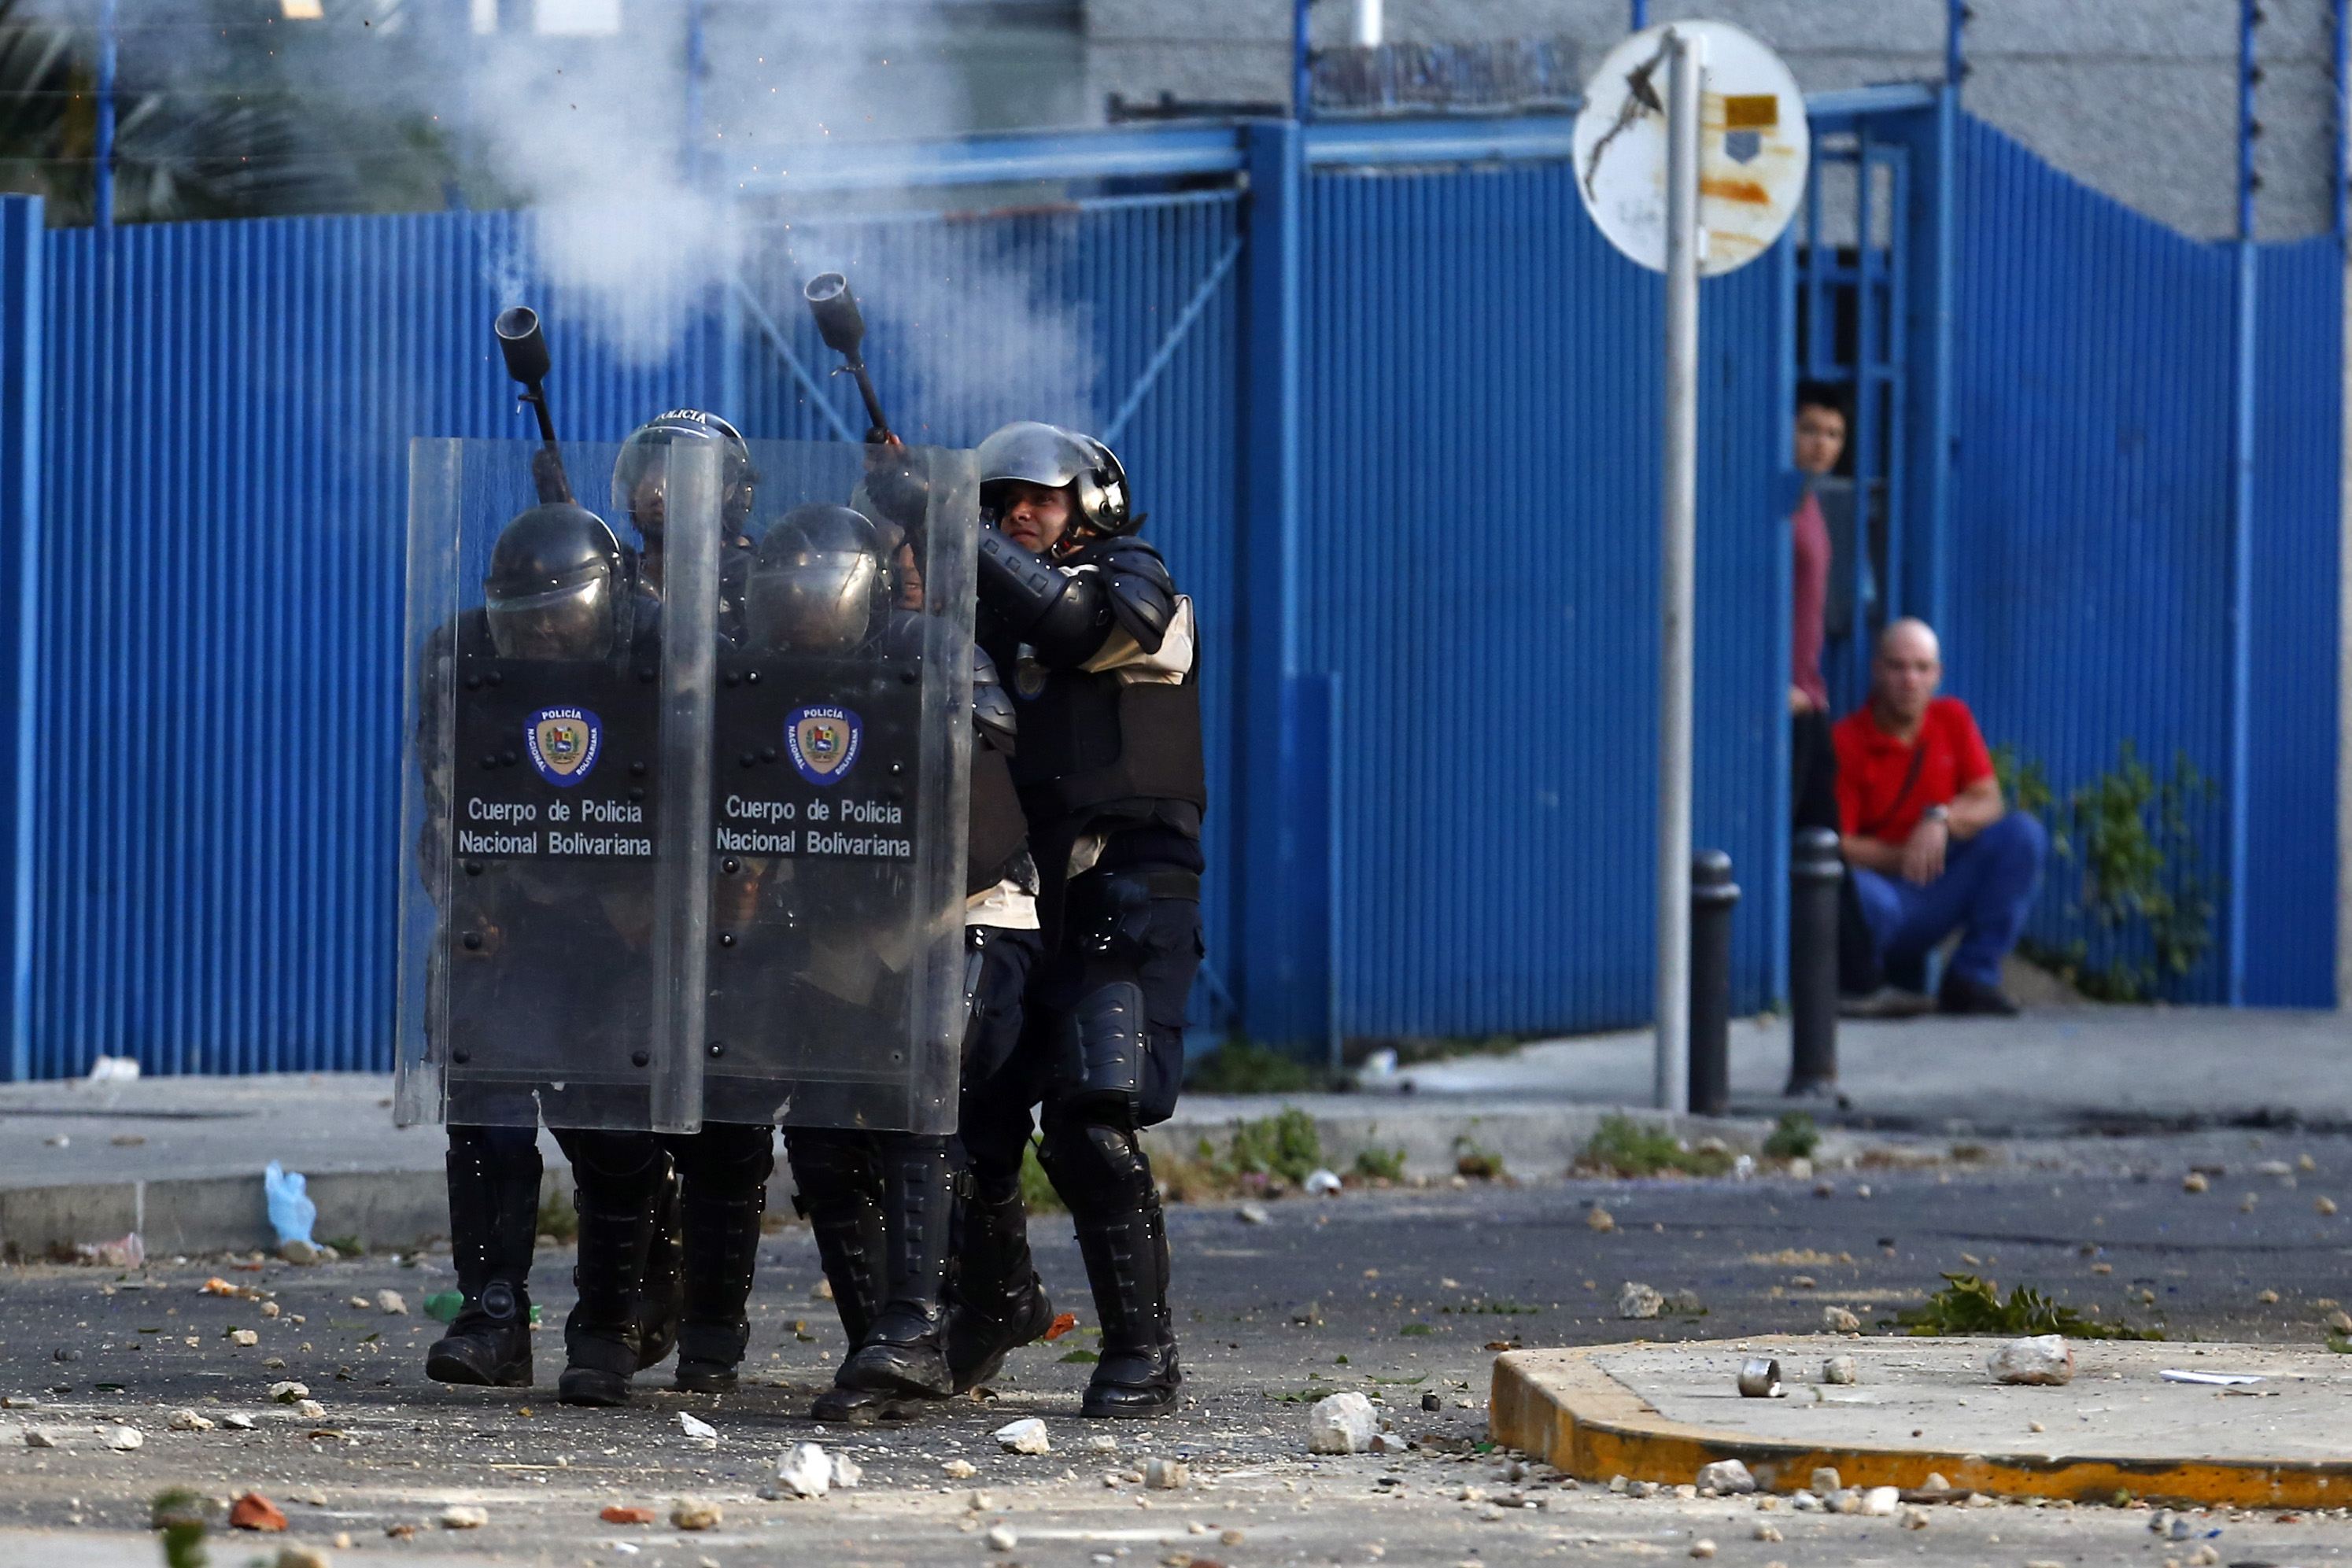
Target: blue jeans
<point>1988,886</point>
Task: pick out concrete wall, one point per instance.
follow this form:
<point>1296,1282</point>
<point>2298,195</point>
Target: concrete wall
<point>2135,97</point>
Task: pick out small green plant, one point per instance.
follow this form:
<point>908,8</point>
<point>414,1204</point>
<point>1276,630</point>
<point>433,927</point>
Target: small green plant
<point>1415,1330</point>
<point>1284,1145</point>
<point>1037,1194</point>
<point>2340,1343</point>
<point>1968,1305</point>
<point>1380,1165</point>
<point>345,1246</point>
<point>1239,1067</point>
<point>559,1217</point>
<point>1623,1146</point>
<point>2132,837</point>
<point>1475,1161</point>
<point>182,1518</point>
<point>1794,1137</point>
<point>1079,1357</point>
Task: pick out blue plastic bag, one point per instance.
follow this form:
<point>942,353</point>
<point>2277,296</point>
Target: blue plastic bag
<point>290,1210</point>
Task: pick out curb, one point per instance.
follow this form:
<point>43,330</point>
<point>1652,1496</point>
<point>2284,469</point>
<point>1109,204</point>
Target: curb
<point>1557,1406</point>
<point>406,1208</point>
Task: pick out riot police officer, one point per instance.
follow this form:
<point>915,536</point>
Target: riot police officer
<point>1099,648</point>
<point>639,482</point>
<point>559,587</point>
<point>881,1203</point>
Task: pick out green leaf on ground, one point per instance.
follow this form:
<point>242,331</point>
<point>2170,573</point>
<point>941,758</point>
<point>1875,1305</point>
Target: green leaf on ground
<point>1967,1305</point>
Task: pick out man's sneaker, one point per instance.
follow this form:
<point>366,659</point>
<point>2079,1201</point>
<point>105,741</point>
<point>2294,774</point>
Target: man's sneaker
<point>1974,998</point>
<point>1886,1002</point>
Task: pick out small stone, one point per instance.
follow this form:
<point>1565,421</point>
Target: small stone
<point>238,1421</point>
<point>287,1392</point>
<point>1934,1482</point>
<point>269,1309</point>
<point>2267,1297</point>
<point>960,1470</point>
<point>695,1513</point>
<point>1229,1538</point>
<point>302,1557</point>
<point>391,1303</point>
<point>1252,1214</point>
<point>1027,1435</point>
<point>1826,1482</point>
<point>1861,1190</point>
<point>981,1502</point>
<point>1309,1313</point>
<point>257,1512</point>
<point>1803,1282</point>
<point>1840,1369</point>
<point>1635,1300</point>
<point>37,1439</point>
<point>622,1513</point>
<point>1619,1485</point>
<point>2324,1205</point>
<point>2246,1204</point>
<point>2340,1320</point>
<point>1728,1476</point>
<point>1768,1532</point>
<point>1686,1491</point>
<point>1805,1502</point>
<point>1837,1320</point>
<point>1166,1475</point>
<point>463,1516</point>
<point>1102,1443</point>
<point>360,1303</point>
<point>1323,1184</point>
<point>2204,1557</point>
<point>1880,1502</point>
<point>299,1251</point>
<point>1600,1219</point>
<point>122,1439</point>
<point>846,1472</point>
<point>1002,1539</point>
<point>823,1291</point>
<point>803,1471</point>
<point>1848,1500</point>
<point>1914,1519</point>
<point>1686,1302</point>
<point>1702,1548</point>
<point>1341,1423</point>
<point>694,1426</point>
<point>2040,1360</point>
<point>310,1409</point>
<point>2194,1182</point>
<point>189,1421</point>
<point>1390,1443</point>
<point>1824,1188</point>
<point>244,1338</point>
<point>2033,1425</point>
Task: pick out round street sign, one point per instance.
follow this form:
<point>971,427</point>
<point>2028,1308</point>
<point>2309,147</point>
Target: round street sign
<point>1753,145</point>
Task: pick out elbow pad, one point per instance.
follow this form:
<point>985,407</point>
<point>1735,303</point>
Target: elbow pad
<point>1065,616</point>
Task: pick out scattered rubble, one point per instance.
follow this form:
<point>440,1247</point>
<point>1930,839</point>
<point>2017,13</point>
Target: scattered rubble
<point>694,1426</point>
<point>255,1512</point>
<point>695,1513</point>
<point>1838,1319</point>
<point>2040,1360</point>
<point>463,1516</point>
<point>1840,1369</point>
<point>1027,1435</point>
<point>805,1470</point>
<point>1728,1476</point>
<point>1635,1300</point>
<point>1341,1423</point>
<point>1166,1475</point>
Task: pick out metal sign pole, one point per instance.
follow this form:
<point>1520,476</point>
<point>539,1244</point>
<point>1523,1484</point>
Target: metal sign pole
<point>1676,573</point>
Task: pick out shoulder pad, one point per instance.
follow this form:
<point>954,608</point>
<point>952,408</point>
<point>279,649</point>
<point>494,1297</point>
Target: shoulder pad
<point>1141,591</point>
<point>992,714</point>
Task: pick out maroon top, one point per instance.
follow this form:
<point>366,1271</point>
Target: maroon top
<point>1809,581</point>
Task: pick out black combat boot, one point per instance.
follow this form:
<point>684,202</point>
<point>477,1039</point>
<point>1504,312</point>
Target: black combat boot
<point>616,1224</point>
<point>1127,1264</point>
<point>903,1353</point>
<point>1000,1303</point>
<point>494,1223</point>
<point>660,1301</point>
<point>837,1186</point>
<point>725,1199</point>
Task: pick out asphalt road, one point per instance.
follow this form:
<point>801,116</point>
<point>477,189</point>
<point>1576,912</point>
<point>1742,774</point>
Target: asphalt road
<point>1404,1294</point>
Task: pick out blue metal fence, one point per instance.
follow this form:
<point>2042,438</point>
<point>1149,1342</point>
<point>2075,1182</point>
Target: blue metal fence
<point>1445,789</point>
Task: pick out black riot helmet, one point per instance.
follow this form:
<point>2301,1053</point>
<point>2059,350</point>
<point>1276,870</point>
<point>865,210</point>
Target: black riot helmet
<point>819,582</point>
<point>1060,459</point>
<point>640,472</point>
<point>559,587</point>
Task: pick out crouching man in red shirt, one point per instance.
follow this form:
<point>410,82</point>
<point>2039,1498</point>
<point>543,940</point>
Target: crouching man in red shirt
<point>1926,838</point>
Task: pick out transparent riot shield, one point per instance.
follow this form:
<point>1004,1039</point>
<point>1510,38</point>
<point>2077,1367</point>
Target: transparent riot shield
<point>556,795</point>
<point>841,740</point>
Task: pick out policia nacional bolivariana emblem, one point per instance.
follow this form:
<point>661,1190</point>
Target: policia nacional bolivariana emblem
<point>564,743</point>
<point>823,742</point>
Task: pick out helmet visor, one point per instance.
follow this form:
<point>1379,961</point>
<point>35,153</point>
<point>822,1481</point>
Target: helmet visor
<point>569,618</point>
<point>818,603</point>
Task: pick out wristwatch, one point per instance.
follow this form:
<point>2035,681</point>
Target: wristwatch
<point>1937,814</point>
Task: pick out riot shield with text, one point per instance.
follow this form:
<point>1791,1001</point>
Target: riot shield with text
<point>840,745</point>
<point>554,901</point>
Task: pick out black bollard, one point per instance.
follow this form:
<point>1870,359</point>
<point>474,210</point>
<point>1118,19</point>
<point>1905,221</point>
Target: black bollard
<point>1814,872</point>
<point>1713,893</point>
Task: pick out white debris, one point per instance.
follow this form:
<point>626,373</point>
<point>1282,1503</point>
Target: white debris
<point>1768,1532</point>
<point>238,1421</point>
<point>299,1251</point>
<point>1934,1482</point>
<point>463,1516</point>
<point>1880,1502</point>
<point>1322,1183</point>
<point>1027,1435</point>
<point>1597,1219</point>
<point>1840,1369</point>
<point>37,1439</point>
<point>1342,1423</point>
<point>1702,1548</point>
<point>1002,1539</point>
<point>359,1303</point>
<point>244,1338</point>
<point>2194,1182</point>
<point>122,1439</point>
<point>1826,1481</point>
<point>1914,1519</point>
<point>1389,1443</point>
<point>694,1426</point>
<point>1837,1320</point>
<point>1727,1477</point>
<point>287,1393</point>
<point>391,1303</point>
<point>1166,1475</point>
<point>960,1470</point>
<point>805,1470</point>
<point>846,1472</point>
<point>1252,1214</point>
<point>2046,1360</point>
<point>1805,1502</point>
<point>189,1421</point>
<point>1635,1300</point>
<point>1102,1443</point>
<point>310,1409</point>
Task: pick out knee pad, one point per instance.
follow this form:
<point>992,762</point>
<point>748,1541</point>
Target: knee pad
<point>729,1155</point>
<point>616,1162</point>
<point>1102,1043</point>
<point>829,1165</point>
<point>1098,1166</point>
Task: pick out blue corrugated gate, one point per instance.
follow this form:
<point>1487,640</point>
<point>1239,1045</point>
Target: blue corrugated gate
<point>1435,797</point>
